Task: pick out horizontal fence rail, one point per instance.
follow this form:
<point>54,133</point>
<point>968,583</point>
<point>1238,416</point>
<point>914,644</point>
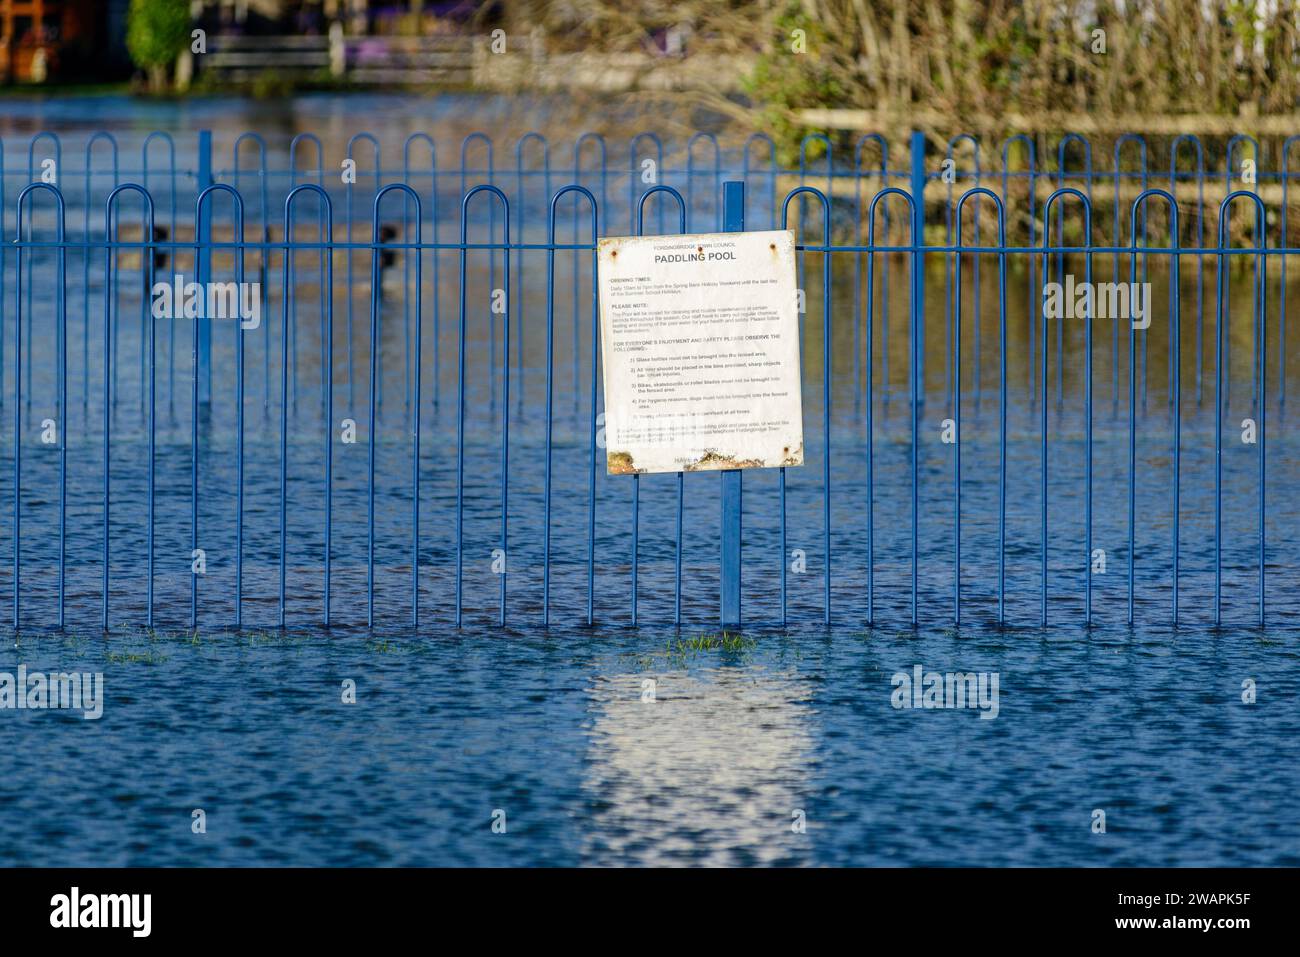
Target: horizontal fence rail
<point>421,314</point>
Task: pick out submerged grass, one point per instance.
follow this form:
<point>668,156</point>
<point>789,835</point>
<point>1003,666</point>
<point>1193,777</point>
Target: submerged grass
<point>727,641</point>
<point>135,658</point>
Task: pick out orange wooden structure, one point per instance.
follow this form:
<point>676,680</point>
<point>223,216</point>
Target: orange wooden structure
<point>34,34</point>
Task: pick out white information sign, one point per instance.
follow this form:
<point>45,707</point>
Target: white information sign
<point>700,347</point>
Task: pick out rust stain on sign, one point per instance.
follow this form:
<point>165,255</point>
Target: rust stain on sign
<point>713,459</point>
<point>620,463</point>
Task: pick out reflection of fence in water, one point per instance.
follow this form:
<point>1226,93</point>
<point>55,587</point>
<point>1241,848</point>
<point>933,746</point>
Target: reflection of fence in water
<point>404,229</point>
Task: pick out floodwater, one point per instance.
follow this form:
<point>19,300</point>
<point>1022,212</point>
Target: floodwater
<point>614,744</point>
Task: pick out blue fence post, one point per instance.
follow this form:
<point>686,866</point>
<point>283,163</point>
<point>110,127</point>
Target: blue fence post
<point>733,221</point>
<point>918,239</point>
<point>203,270</point>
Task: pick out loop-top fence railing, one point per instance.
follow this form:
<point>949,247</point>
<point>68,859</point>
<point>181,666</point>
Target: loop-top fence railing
<point>194,219</point>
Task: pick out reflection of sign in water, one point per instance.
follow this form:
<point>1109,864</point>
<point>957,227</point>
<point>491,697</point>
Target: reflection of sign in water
<point>700,342</point>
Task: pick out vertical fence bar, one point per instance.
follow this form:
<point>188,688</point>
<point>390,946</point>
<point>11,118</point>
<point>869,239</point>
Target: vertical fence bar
<point>733,221</point>
<point>377,240</point>
<point>917,332</point>
<point>61,418</point>
<point>107,357</point>
<point>18,415</point>
<point>460,400</point>
<point>681,476</point>
<point>203,271</point>
<point>147,265</point>
<point>552,205</point>
<point>870,391</point>
<point>1281,298</point>
<point>800,192</point>
<point>977,193</point>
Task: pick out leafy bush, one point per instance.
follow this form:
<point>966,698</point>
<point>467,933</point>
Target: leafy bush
<point>156,33</point>
<point>794,71</point>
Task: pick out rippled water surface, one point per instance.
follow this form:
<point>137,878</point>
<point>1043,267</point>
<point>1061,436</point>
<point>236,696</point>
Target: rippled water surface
<point>447,730</point>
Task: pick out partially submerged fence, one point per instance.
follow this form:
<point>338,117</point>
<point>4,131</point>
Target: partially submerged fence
<point>344,271</point>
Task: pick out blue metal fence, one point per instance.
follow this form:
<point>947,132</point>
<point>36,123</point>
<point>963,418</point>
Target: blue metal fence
<point>231,220</point>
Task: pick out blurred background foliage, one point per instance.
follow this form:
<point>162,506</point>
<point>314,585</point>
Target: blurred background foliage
<point>975,62</point>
